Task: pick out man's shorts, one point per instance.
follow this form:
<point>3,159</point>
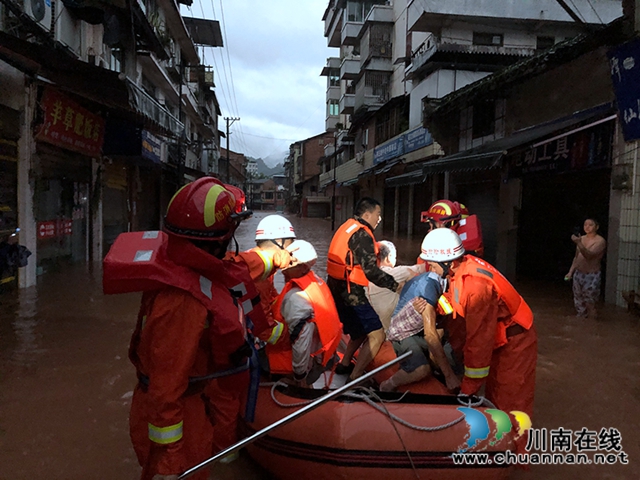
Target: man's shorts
<point>358,321</point>
<point>416,344</point>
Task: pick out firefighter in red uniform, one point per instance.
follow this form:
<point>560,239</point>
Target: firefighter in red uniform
<point>273,234</point>
<point>454,215</point>
<point>187,328</point>
<point>500,348</point>
<point>312,326</point>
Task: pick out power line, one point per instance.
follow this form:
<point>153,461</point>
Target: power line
<point>595,11</point>
<point>233,90</point>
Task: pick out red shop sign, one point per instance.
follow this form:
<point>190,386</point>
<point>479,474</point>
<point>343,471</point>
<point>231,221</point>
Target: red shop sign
<point>68,125</point>
<point>55,228</point>
<point>66,227</point>
<point>47,229</point>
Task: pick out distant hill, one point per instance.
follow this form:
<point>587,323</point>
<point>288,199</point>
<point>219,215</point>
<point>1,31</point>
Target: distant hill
<point>268,171</point>
<point>275,159</point>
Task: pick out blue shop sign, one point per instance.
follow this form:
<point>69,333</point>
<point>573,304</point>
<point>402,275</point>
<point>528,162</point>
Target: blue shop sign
<point>389,150</point>
<point>150,147</point>
<point>625,74</point>
<point>417,138</point>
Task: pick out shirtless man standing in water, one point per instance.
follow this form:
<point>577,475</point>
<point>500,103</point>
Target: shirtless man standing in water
<point>585,269</point>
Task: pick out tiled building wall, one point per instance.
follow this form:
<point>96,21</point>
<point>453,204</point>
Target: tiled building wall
<point>624,231</point>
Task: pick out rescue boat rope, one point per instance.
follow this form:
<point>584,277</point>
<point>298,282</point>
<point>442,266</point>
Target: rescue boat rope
<point>370,393</point>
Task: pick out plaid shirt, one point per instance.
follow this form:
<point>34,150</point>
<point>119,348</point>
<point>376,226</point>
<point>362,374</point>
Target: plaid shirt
<point>405,323</point>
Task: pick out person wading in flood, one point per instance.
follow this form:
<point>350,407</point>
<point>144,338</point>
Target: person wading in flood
<point>191,324</point>
<point>352,262</point>
<point>585,269</point>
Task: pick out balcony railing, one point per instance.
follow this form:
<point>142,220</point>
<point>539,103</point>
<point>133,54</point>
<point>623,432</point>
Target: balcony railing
<point>347,102</point>
<point>350,68</point>
<point>148,106</point>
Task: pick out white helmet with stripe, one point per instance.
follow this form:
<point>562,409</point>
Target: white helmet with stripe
<point>274,226</point>
<point>441,245</point>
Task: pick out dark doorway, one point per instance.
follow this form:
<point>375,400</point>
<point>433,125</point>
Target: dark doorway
<point>552,209</point>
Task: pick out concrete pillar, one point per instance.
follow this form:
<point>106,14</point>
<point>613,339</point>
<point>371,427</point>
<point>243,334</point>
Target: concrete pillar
<point>508,213</point>
<point>26,187</point>
<point>95,211</point>
<point>623,237</point>
<point>447,179</point>
<point>396,211</point>
<point>410,213</point>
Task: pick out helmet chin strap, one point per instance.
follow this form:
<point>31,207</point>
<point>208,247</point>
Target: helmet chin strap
<point>445,268</point>
<point>277,244</point>
<point>237,246</point>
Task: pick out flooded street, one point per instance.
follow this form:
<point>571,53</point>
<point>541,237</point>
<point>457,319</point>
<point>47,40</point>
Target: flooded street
<point>66,381</point>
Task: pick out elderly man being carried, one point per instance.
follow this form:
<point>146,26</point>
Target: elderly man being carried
<point>383,300</point>
<point>312,326</point>
<point>413,331</point>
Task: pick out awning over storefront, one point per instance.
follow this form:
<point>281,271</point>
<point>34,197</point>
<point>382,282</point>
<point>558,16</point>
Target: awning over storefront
<point>380,168</point>
<point>490,154</point>
<point>409,178</point>
<point>460,163</point>
<point>348,183</point>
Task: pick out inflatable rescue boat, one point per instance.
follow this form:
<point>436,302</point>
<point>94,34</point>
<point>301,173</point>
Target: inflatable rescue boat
<point>367,434</point>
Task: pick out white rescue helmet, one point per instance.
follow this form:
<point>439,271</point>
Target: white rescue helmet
<point>441,245</point>
<point>303,251</point>
<point>274,226</point>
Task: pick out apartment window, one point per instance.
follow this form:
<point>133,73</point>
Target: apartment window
<point>488,39</point>
<point>334,77</point>
<point>545,43</point>
<point>268,195</point>
<point>365,138</point>
<point>354,12</point>
<point>484,119</point>
<point>334,108</point>
<point>116,59</point>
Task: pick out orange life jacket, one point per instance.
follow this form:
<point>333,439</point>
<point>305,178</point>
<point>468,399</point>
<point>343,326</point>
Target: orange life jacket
<point>138,261</point>
<point>325,316</point>
<point>520,312</point>
<point>338,265</point>
<point>262,270</point>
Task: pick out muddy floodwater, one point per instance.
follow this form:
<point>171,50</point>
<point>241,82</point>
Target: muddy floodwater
<point>66,382</point>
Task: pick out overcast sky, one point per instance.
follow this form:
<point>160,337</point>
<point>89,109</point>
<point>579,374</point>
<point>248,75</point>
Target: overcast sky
<point>268,72</point>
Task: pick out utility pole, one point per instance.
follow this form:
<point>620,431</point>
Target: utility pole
<point>229,121</point>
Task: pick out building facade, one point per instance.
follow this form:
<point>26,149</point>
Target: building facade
<point>123,113</point>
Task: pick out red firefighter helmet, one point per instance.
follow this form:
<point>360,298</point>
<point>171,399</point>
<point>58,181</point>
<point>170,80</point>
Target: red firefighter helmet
<point>239,196</point>
<point>464,211</point>
<point>202,210</point>
<point>444,211</point>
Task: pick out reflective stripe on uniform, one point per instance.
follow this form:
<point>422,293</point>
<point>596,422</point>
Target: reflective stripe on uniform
<point>476,372</point>
<point>445,305</point>
<point>485,272</point>
<point>247,306</point>
<point>165,435</point>
<point>276,333</point>
<point>205,287</point>
<point>268,264</point>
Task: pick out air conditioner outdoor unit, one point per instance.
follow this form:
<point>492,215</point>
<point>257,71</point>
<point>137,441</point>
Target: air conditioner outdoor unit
<point>40,11</point>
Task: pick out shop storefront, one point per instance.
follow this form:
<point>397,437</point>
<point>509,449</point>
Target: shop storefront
<point>66,141</point>
<point>565,179</point>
